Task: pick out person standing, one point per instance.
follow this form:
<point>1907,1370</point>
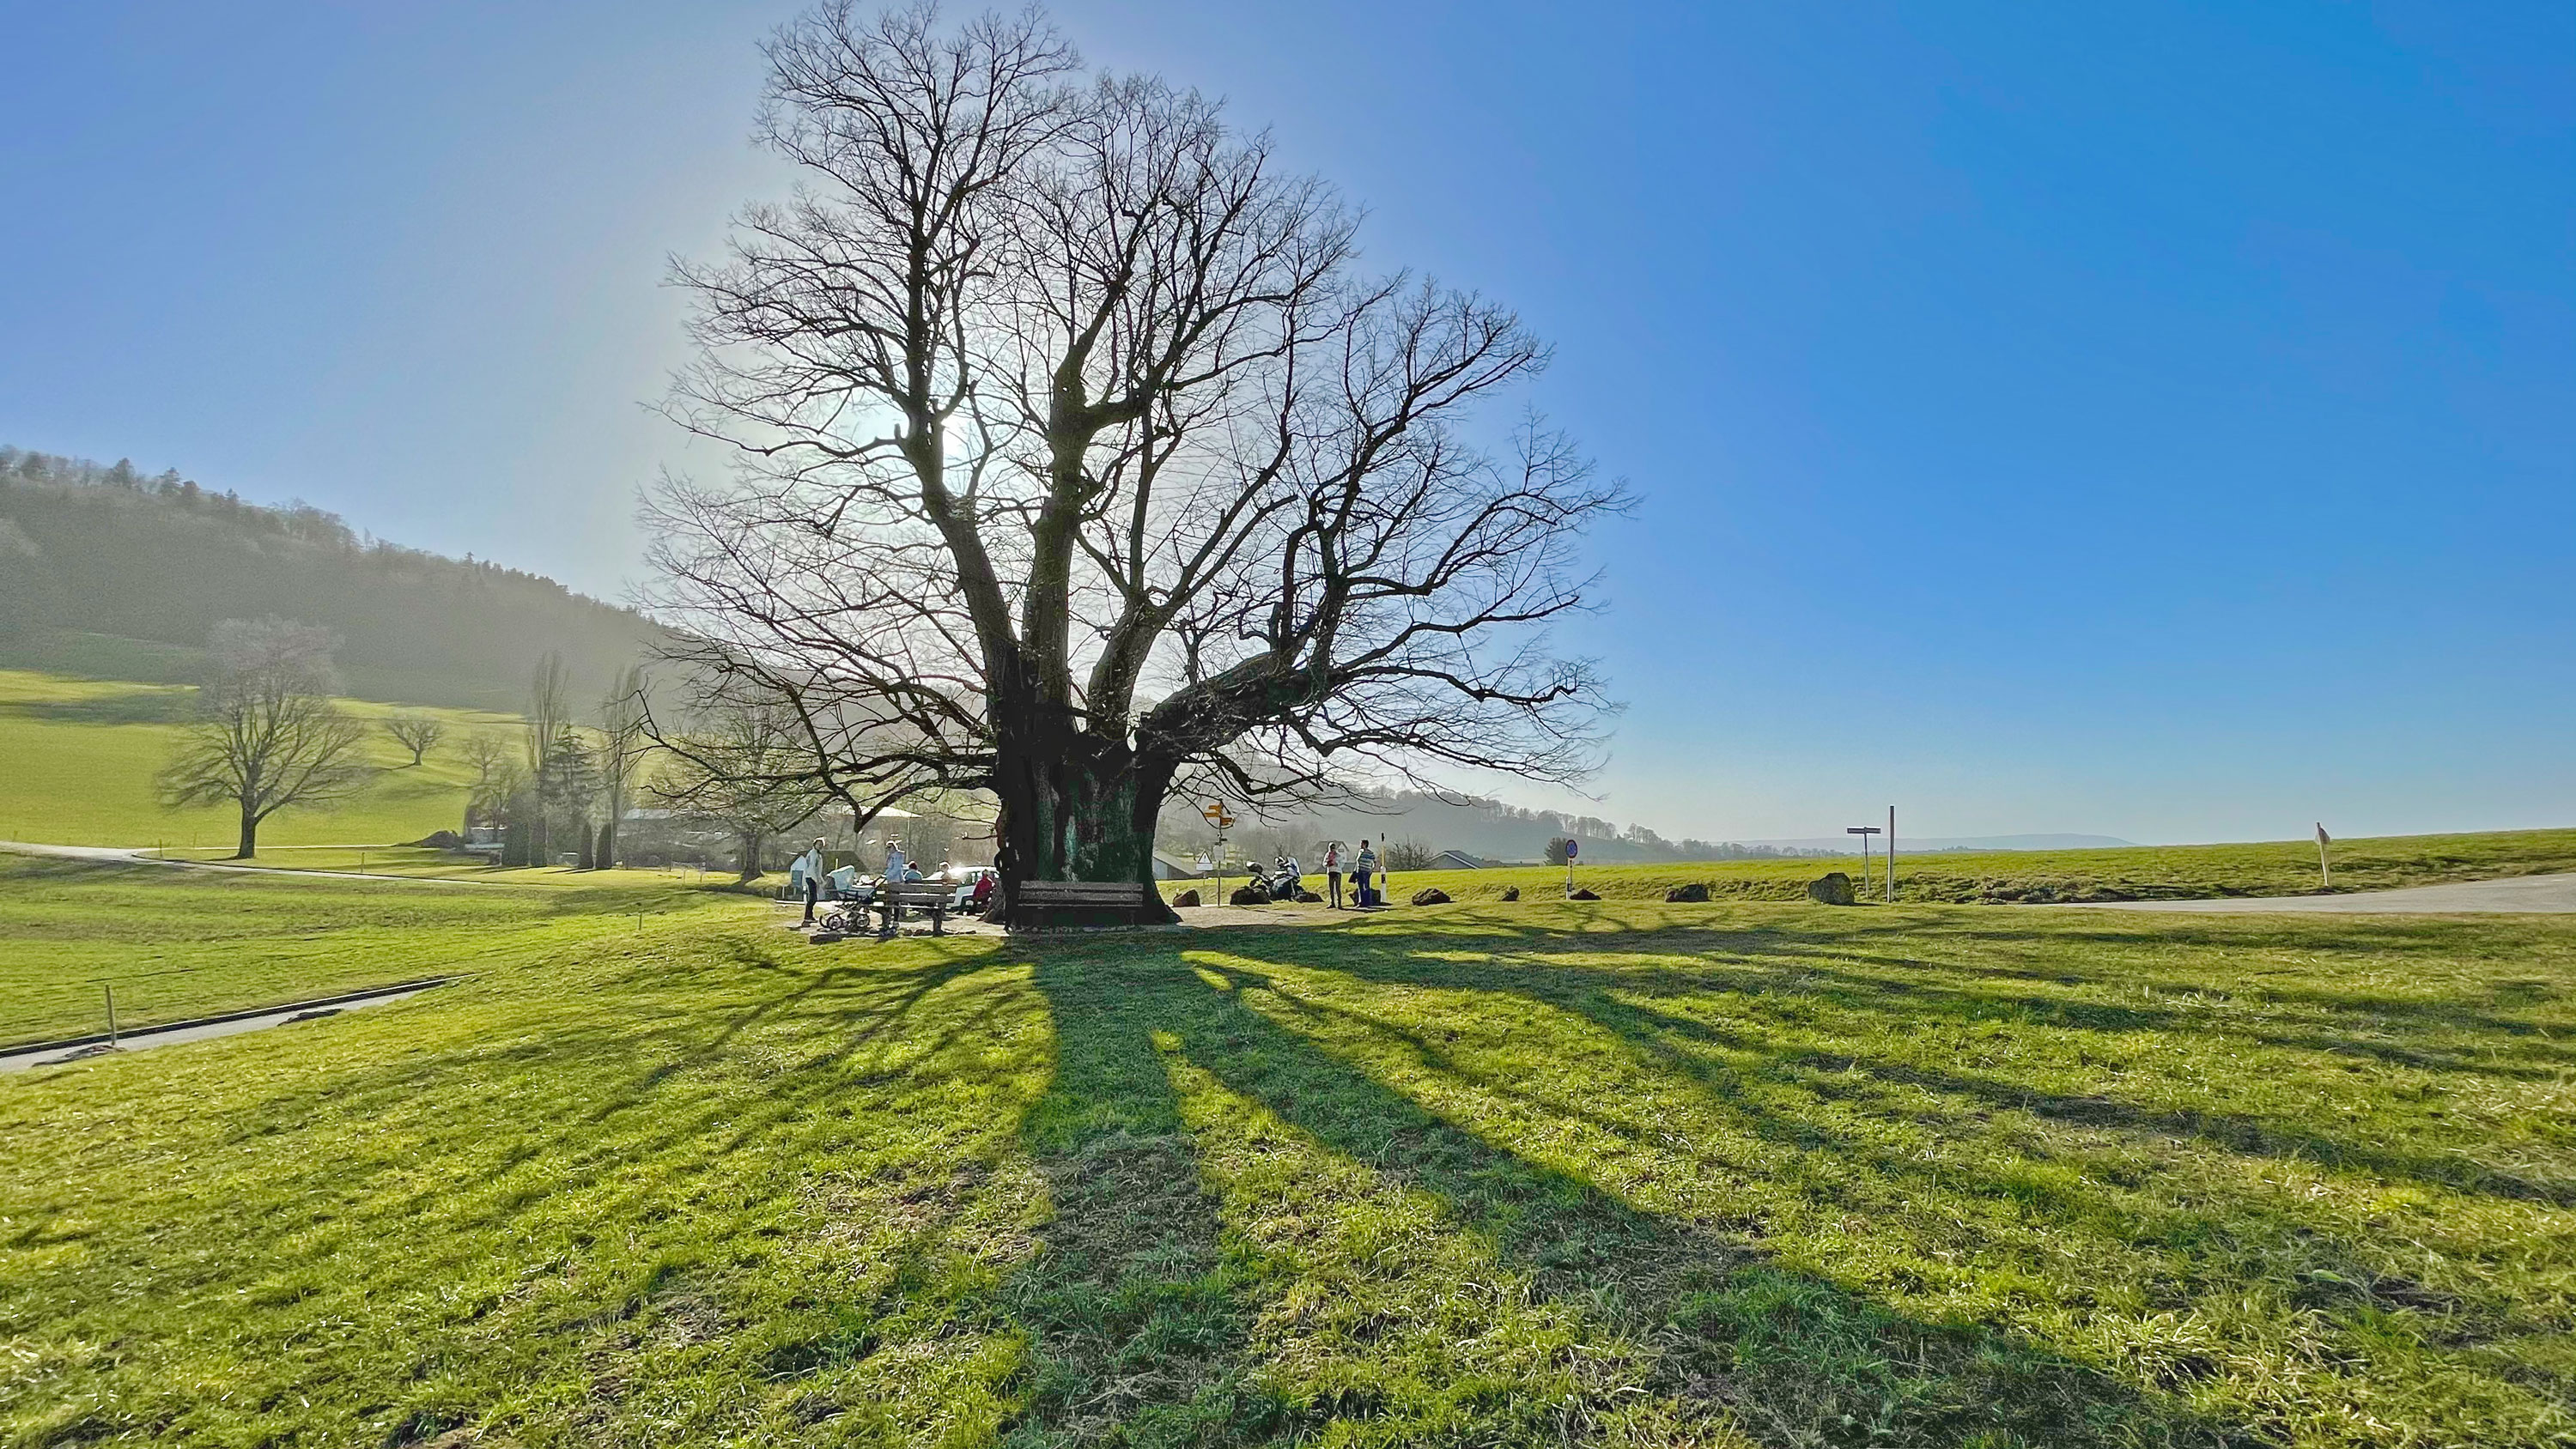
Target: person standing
<point>810,867</point>
<point>1333,872</point>
<point>897,870</point>
<point>1363,866</point>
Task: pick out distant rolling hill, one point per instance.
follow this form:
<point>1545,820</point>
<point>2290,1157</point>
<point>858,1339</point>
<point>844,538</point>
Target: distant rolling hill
<point>1961,842</point>
<point>109,574</point>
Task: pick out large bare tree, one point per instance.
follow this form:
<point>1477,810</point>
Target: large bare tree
<point>268,736</point>
<point>1079,461</point>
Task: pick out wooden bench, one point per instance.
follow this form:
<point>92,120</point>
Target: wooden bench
<point>1081,895</point>
<point>938,898</point>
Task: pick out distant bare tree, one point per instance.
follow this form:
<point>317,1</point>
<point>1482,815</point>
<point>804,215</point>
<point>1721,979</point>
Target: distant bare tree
<point>744,765</point>
<point>497,775</point>
<point>268,736</point>
<point>1079,463</point>
<point>1407,855</point>
<point>549,724</point>
<point>624,743</point>
<point>416,732</point>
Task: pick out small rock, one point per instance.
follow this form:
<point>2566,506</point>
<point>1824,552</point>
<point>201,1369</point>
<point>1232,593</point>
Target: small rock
<point>1833,888</point>
<point>1431,896</point>
<point>1581,895</point>
<point>1186,898</point>
<point>1692,894</point>
<point>1511,893</point>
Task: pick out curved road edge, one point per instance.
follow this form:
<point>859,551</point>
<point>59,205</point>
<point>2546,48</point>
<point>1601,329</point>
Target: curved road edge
<point>206,1028</point>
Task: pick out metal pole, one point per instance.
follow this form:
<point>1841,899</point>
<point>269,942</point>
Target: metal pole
<point>1891,855</point>
<point>111,1016</point>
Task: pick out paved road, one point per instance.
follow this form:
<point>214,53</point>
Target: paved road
<point>153,1036</point>
<point>119,855</point>
<point>2554,894</point>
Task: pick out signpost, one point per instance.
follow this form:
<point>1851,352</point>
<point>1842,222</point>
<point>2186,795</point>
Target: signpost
<point>1215,812</point>
<point>2324,867</point>
<point>1572,846</point>
<point>1865,832</point>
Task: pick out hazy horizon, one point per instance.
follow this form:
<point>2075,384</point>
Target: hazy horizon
<point>2154,425</point>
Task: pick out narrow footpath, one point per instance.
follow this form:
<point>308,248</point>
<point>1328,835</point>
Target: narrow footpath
<point>207,1028</point>
<point>121,855</point>
<point>2540,894</point>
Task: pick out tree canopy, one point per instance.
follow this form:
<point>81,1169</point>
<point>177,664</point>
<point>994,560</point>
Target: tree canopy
<point>1079,459</point>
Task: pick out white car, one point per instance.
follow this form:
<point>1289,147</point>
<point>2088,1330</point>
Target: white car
<point>965,878</point>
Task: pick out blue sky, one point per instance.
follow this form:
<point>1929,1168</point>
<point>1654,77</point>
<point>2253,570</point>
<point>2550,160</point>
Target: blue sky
<point>2155,421</point>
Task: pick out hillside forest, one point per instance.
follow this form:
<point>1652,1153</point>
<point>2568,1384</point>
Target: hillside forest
<point>108,573</point>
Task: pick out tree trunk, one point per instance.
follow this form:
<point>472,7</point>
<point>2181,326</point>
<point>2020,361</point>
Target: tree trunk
<point>249,836</point>
<point>1077,807</point>
<point>749,856</point>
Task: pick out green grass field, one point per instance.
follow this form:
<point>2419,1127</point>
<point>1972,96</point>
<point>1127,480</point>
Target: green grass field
<point>404,860</point>
<point>2135,873</point>
<point>1744,1173</point>
<point>184,943</point>
<point>82,753</point>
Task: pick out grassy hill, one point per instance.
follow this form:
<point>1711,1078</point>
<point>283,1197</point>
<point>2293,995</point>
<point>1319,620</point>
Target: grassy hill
<point>1737,1175</point>
<point>112,575</point>
<point>81,755</point>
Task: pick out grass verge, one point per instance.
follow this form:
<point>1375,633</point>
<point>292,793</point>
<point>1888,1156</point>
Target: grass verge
<point>184,943</point>
<point>1625,1174</point>
<point>2133,873</point>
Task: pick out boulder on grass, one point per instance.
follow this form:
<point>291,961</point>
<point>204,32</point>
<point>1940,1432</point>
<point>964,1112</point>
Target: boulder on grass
<point>1186,898</point>
<point>1309,898</point>
<point>441,840</point>
<point>1431,896</point>
<point>1692,894</point>
<point>1249,896</point>
<point>1834,889</point>
<point>1511,893</point>
<point>1581,895</point>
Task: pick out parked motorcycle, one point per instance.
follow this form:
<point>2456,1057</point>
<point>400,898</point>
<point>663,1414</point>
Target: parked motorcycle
<point>1284,882</point>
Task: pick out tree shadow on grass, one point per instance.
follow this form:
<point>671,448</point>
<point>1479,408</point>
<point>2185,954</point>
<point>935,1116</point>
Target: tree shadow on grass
<point>1139,1312</point>
<point>2449,1038</point>
<point>1138,1317</point>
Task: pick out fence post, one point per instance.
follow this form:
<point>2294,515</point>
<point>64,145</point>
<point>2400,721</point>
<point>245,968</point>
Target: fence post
<point>111,1013</point>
